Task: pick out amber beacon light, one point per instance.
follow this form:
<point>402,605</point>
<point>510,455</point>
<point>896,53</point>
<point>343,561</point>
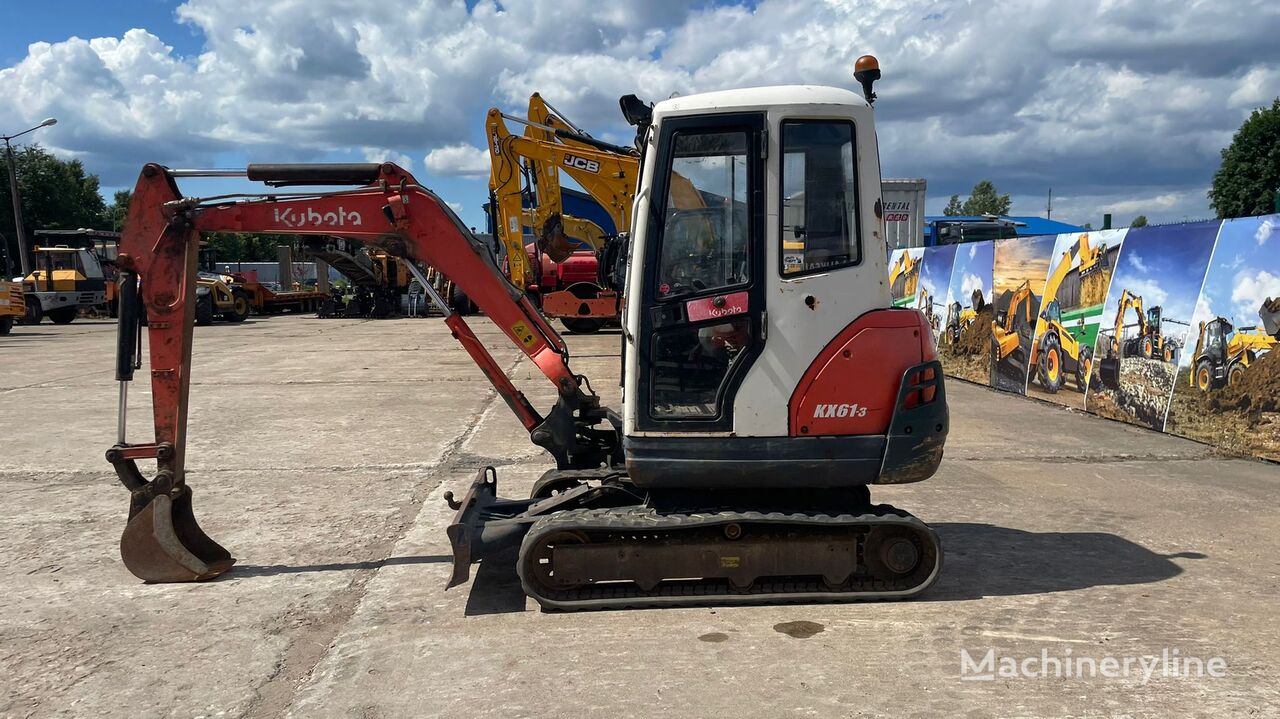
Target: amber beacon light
<point>866,70</point>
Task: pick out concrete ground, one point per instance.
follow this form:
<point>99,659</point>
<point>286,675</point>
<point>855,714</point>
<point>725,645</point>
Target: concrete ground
<point>319,453</point>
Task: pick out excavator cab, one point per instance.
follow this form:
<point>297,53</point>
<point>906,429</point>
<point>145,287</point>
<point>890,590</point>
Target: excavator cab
<point>1053,312</point>
<point>1153,317</point>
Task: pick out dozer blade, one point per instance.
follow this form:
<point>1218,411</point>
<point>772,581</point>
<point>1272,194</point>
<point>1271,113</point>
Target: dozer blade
<point>163,543</point>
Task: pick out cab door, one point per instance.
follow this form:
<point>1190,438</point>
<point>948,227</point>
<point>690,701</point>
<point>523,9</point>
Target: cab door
<point>703,300</point>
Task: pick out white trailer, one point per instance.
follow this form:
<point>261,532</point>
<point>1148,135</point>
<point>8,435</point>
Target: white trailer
<point>903,201</point>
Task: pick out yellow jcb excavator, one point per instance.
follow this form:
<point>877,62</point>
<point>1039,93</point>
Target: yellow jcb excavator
<point>925,304</point>
<point>1011,330</point>
<point>606,172</point>
<point>904,277</point>
<point>1223,352</point>
<point>959,317</point>
<point>1150,342</point>
<point>1058,351</point>
<point>530,164</point>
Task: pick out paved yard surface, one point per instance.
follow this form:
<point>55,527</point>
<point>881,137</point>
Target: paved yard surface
<point>319,454</point>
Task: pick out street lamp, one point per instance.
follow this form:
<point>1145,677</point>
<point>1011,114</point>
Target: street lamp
<point>13,190</point>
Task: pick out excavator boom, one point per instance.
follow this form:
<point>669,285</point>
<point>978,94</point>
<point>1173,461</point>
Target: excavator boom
<point>389,210</point>
<point>609,177</point>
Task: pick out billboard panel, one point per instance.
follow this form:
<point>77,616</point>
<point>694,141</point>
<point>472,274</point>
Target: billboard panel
<point>1227,390</point>
<point>1148,310</point>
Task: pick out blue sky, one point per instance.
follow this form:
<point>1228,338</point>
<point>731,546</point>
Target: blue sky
<point>1088,110</point>
<point>972,270</point>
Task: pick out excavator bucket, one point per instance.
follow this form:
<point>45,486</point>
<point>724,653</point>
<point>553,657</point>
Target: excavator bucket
<point>553,241</point>
<point>1109,372</point>
<point>1270,314</point>
<point>163,542</point>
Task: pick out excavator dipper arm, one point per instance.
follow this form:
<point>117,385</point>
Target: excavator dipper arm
<point>158,255</point>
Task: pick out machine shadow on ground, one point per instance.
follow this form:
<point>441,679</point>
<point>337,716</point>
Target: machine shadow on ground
<point>983,560</point>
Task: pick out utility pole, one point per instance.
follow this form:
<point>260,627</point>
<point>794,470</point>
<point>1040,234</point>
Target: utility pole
<point>1048,208</point>
<point>23,259</point>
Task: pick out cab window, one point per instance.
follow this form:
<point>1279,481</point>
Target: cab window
<point>819,197</point>
<point>704,235</point>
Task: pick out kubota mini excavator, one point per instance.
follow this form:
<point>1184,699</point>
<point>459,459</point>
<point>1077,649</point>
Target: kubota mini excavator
<point>752,424</point>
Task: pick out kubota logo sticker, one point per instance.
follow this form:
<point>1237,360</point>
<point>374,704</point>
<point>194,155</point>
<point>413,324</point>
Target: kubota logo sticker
<point>826,411</point>
<point>308,217</point>
<point>523,335</point>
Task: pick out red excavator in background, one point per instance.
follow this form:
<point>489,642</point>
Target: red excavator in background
<point>752,424</point>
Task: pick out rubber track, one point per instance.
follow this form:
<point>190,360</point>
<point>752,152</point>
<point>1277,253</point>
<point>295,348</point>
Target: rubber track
<point>623,595</point>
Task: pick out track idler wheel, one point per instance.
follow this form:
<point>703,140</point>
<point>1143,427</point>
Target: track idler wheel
<point>162,541</point>
<point>536,561</point>
<point>897,552</point>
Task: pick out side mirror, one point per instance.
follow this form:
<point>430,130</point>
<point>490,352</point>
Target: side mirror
<point>636,111</point>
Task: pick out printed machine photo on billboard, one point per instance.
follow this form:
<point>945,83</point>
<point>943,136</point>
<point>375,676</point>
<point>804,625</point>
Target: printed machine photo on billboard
<point>1228,384</point>
<point>1017,283</point>
<point>935,281</point>
<point>966,336</point>
<point>1146,318</point>
<point>904,275</point>
<point>1069,315</point>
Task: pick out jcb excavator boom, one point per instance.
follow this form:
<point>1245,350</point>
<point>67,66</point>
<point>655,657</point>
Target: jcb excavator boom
<point>609,176</point>
<point>389,210</point>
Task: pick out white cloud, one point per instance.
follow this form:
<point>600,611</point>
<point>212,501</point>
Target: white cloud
<point>1136,260</point>
<point>973,251</point>
<point>970,283</point>
<point>378,154</point>
<point>1150,291</point>
<point>1264,232</point>
<point>459,159</point>
<point>1249,291</point>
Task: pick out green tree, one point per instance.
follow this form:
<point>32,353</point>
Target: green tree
<point>1139,221</point>
<point>984,200</point>
<point>230,247</point>
<point>1249,177</point>
<point>119,209</point>
<point>56,195</point>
